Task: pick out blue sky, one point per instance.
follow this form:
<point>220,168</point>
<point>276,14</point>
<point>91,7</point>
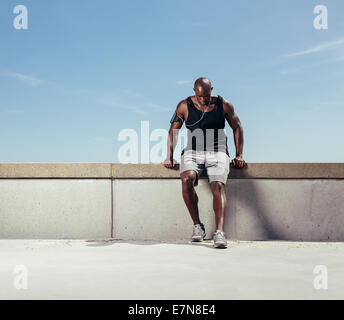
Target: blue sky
<point>85,70</point>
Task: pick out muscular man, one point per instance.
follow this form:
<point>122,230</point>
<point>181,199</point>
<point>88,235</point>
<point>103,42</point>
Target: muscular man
<point>204,115</point>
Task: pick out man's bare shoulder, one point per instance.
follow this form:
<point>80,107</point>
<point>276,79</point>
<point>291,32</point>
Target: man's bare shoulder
<point>228,107</point>
<point>182,106</point>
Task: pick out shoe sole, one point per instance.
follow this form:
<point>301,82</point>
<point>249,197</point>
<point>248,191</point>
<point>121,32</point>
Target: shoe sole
<point>198,240</point>
<point>220,246</point>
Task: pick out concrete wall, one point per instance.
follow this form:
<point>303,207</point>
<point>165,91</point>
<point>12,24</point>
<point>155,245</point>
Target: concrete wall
<point>55,208</point>
<point>291,201</point>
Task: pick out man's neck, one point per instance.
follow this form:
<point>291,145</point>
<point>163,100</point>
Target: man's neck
<point>204,107</point>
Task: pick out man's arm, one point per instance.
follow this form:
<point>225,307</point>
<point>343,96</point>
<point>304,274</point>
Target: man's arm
<point>176,121</point>
<point>238,132</point>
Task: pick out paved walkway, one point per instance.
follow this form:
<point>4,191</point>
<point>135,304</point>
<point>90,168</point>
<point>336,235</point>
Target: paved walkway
<point>117,269</point>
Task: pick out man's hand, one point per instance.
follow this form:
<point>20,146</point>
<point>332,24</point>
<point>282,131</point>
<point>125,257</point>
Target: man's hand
<point>170,163</point>
<point>239,162</point>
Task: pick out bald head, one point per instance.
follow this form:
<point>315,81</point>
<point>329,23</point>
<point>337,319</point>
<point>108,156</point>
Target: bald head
<point>203,84</point>
<point>203,88</point>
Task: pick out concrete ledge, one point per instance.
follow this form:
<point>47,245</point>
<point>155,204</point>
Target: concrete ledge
<point>55,170</point>
<point>265,201</point>
<point>151,171</point>
<point>252,171</point>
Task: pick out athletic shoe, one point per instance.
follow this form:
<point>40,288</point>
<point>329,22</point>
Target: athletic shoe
<point>219,239</point>
<point>198,233</point>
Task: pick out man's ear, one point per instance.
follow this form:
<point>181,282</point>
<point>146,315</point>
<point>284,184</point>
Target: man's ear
<point>212,88</point>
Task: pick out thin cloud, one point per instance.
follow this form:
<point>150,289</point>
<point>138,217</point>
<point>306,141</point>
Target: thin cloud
<point>286,72</point>
<point>183,82</point>
<point>29,80</point>
<point>319,48</point>
<point>15,111</point>
<point>129,100</point>
<point>193,24</point>
<point>118,103</point>
<point>12,111</point>
<point>311,66</point>
<point>157,107</point>
<point>98,139</point>
<point>333,103</point>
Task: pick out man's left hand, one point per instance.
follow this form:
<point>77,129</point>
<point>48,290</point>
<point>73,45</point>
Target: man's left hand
<point>239,162</point>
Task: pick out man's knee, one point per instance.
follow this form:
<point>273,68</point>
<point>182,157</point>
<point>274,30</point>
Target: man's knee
<point>188,179</point>
<point>217,187</point>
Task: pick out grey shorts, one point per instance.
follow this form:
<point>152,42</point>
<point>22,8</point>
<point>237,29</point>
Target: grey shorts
<point>217,164</point>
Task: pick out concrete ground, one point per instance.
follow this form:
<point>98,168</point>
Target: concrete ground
<point>118,269</point>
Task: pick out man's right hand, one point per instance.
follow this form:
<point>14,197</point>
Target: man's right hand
<point>170,163</point>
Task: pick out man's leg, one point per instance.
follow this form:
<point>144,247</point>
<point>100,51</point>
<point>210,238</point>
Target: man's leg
<point>219,203</point>
<point>218,166</point>
<point>189,194</point>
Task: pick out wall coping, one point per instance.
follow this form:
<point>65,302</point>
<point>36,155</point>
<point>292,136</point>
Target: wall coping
<point>334,170</point>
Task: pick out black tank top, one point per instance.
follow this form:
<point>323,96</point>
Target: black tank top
<point>206,133</point>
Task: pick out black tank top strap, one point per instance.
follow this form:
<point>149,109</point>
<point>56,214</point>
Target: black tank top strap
<point>194,115</point>
<point>191,105</point>
<point>189,101</point>
<point>219,103</point>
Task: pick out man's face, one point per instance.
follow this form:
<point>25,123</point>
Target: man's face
<point>203,95</point>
